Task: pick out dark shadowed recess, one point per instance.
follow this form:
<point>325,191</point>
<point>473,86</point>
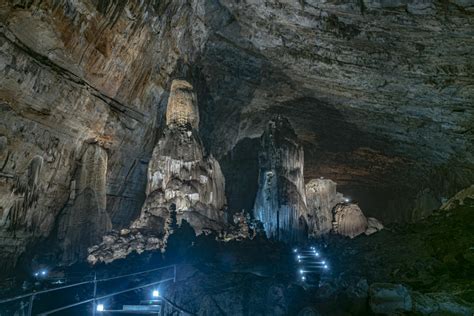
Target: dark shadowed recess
<point>240,168</point>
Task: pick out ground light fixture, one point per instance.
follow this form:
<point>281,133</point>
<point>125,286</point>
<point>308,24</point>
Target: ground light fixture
<point>100,307</point>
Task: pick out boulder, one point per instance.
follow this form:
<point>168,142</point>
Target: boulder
<point>388,298</point>
<point>348,220</point>
<point>373,226</point>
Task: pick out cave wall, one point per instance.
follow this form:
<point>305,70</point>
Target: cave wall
<point>75,72</point>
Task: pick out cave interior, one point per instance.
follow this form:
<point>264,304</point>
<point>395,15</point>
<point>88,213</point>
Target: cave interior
<point>237,157</point>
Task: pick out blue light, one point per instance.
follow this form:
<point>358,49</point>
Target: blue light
<point>156,293</point>
<point>323,262</point>
<point>36,274</point>
<point>303,278</point>
<point>43,272</point>
<point>301,271</point>
<point>100,308</point>
<point>325,266</point>
<point>299,257</point>
<point>317,254</point>
<point>295,250</point>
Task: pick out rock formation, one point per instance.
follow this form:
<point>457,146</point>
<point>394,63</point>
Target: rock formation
<point>321,197</point>
<point>348,220</point>
<point>280,203</point>
<point>85,220</point>
<point>461,198</point>
<point>371,88</point>
<point>182,181</point>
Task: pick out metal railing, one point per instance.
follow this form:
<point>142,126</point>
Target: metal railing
<point>94,299</point>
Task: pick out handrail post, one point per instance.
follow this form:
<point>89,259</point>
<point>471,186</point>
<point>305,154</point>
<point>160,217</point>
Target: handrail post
<point>94,303</point>
<point>30,305</point>
<point>174,276</point>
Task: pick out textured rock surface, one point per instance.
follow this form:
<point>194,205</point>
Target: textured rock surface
<point>85,220</point>
<point>379,92</point>
<point>348,220</point>
<point>389,299</point>
<point>280,203</point>
<point>74,71</point>
<point>181,176</point>
<point>183,184</point>
<point>460,198</point>
<point>321,197</point>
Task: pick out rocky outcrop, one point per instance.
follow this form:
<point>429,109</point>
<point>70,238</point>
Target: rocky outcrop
<point>373,226</point>
<point>321,197</point>
<point>389,299</point>
<point>85,219</point>
<point>183,184</point>
<point>280,203</point>
<point>461,198</point>
<point>348,220</point>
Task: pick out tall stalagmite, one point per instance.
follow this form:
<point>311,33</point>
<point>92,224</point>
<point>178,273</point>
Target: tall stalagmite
<point>85,220</point>
<point>280,203</point>
<point>181,178</point>
<point>321,197</point>
<point>180,175</point>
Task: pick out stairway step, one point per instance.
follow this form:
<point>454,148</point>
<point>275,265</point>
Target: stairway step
<point>154,308</point>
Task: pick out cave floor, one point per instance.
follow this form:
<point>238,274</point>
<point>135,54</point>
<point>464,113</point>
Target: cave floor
<point>433,259</point>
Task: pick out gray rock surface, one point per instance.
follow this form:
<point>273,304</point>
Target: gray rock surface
<point>389,299</point>
<point>379,92</point>
<point>85,219</point>
<point>281,203</point>
<point>321,198</point>
<point>348,220</point>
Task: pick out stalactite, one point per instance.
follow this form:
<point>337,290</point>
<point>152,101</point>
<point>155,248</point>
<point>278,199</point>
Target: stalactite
<point>26,192</point>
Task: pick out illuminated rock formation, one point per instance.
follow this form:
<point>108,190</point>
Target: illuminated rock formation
<point>85,220</point>
<point>349,220</point>
<point>321,197</point>
<point>182,105</point>
<point>280,202</point>
<point>180,175</point>
<point>181,179</point>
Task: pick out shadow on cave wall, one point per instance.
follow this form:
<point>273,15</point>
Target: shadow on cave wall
<point>240,167</point>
